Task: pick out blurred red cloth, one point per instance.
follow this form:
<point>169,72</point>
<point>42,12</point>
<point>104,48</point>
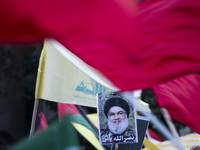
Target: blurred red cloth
<point>28,21</point>
<point>181,97</point>
<point>136,47</point>
<point>170,46</point>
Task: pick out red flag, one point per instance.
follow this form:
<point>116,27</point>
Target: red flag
<point>161,44</point>
<point>181,98</point>
<point>41,123</point>
<point>170,46</point>
<point>30,21</point>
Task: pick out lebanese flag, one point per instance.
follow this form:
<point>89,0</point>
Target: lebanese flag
<point>181,97</point>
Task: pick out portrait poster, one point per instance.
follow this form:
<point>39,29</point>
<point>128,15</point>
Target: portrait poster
<point>117,118</point>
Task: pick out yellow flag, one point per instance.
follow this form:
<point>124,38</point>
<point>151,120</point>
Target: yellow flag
<point>63,77</point>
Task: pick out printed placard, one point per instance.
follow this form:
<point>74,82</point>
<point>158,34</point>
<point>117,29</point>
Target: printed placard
<point>117,118</point>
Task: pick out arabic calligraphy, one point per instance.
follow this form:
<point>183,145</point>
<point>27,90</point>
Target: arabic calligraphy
<point>90,88</point>
<point>107,138</point>
<point>121,138</point>
<point>110,138</point>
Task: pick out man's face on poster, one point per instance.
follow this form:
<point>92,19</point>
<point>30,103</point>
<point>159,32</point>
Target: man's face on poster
<point>117,120</point>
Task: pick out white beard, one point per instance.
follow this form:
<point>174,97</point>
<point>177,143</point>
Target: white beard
<point>118,129</point>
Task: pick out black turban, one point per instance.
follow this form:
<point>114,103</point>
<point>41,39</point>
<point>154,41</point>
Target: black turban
<point>116,102</point>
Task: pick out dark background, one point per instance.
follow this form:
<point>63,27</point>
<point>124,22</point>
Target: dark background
<point>18,70</point>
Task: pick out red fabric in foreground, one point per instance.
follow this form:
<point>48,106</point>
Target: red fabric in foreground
<point>181,97</point>
<point>161,43</point>
<point>64,109</point>
<point>27,21</point>
<point>170,46</point>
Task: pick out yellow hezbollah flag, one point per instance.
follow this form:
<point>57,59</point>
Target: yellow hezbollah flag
<point>63,77</point>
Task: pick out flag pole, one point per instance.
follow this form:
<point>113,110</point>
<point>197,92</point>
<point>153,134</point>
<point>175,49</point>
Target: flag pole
<point>34,116</point>
<point>116,146</point>
<point>170,124</point>
<point>80,109</point>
